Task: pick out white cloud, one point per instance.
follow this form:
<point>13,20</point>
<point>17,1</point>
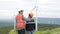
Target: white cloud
<point>8,5</point>
<point>48,8</point>
<point>8,0</point>
<point>6,14</point>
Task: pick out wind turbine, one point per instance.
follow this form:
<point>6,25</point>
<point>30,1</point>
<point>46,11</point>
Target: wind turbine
<point>36,22</point>
<point>36,7</point>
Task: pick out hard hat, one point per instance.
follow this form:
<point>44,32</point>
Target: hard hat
<point>31,14</point>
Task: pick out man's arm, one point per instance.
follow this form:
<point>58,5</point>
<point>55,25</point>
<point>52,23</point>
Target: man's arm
<point>26,19</point>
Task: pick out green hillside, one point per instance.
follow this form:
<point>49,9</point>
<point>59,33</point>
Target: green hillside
<point>5,30</point>
<point>42,29</point>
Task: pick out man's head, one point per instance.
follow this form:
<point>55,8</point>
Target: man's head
<point>21,12</point>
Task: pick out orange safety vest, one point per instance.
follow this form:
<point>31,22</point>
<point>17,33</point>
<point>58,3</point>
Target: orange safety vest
<point>19,21</point>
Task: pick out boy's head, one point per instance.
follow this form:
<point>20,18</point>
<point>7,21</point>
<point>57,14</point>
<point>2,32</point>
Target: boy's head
<point>31,14</point>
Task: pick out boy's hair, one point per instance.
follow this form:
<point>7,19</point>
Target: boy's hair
<point>30,16</point>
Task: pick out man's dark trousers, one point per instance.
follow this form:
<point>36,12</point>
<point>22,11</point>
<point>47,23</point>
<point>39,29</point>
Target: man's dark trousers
<point>22,31</point>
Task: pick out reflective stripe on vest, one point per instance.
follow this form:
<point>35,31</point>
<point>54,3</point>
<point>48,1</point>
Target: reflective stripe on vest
<point>19,21</point>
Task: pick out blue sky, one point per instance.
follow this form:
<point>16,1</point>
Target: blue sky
<point>46,8</point>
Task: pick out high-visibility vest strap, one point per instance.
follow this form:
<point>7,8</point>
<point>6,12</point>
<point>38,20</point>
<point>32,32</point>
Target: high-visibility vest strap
<point>19,21</point>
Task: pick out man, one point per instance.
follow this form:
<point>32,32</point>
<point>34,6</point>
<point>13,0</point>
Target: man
<point>20,24</point>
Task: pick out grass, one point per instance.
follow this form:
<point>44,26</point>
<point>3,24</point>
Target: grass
<point>42,29</point>
<point>13,31</point>
<point>5,30</point>
<point>53,31</point>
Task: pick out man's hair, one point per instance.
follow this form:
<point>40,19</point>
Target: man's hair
<point>20,11</point>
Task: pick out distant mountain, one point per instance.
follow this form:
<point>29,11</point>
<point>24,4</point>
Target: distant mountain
<point>48,20</point>
<point>40,20</point>
<point>7,22</point>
